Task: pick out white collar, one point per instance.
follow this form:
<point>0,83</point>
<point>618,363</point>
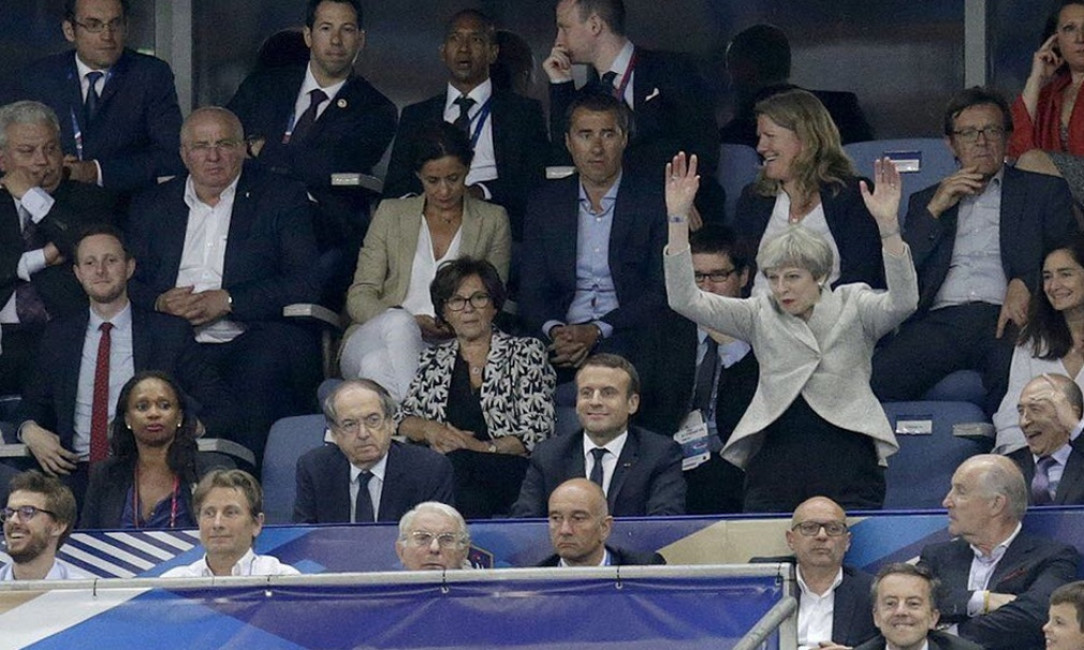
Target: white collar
<point>480,94</point>
<point>376,470</point>
<point>191,199</point>
<point>310,84</point>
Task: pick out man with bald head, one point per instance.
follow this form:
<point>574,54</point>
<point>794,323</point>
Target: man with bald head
<point>226,247</point>
<point>580,524</point>
<point>432,537</point>
<point>1053,462</point>
<point>995,580</point>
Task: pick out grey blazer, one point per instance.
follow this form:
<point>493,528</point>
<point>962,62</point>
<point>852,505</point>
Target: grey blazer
<point>826,359</point>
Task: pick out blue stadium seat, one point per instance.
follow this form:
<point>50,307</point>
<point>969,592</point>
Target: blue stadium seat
<point>934,437</point>
<point>959,386</point>
<point>738,166</point>
<point>935,161</point>
<point>288,439</point>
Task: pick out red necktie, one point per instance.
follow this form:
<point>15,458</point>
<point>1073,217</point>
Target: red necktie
<point>99,408</point>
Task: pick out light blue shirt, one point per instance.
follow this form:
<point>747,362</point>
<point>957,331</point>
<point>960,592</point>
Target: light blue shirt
<point>975,272</point>
<point>121,369</point>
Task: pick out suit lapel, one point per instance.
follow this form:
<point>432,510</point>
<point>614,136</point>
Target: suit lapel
<point>1071,487</point>
<point>75,98</point>
<point>630,453</point>
<point>577,466</point>
<point>241,219</point>
<point>1013,563</point>
<point>114,80</point>
<point>496,120</point>
<point>392,477</point>
<point>336,107</point>
<point>565,218</point>
<point>11,238</point>
<point>141,343</point>
<point>74,336</point>
<point>1012,205</point>
<point>339,480</point>
<point>173,229</point>
<point>470,240</point>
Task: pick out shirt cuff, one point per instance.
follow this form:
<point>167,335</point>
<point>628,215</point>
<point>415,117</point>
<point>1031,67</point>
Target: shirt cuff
<point>976,602</point>
<point>98,166</point>
<point>606,329</point>
<point>550,324</point>
<point>38,203</point>
<point>30,263</point>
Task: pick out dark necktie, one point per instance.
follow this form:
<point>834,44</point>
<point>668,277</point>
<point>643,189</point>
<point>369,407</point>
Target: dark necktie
<point>363,505</point>
<point>607,83</point>
<point>1040,484</point>
<point>705,377</point>
<point>99,406</point>
<point>90,105</point>
<point>463,121</point>
<point>596,471</point>
<point>29,307</point>
<point>308,118</point>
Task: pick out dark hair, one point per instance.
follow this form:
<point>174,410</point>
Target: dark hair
<point>310,10</point>
<point>716,239</point>
<point>58,497</point>
<point>69,9</point>
<point>976,96</point>
<point>285,47</point>
<point>1071,594</point>
<point>436,139</point>
<point>905,569</point>
<point>515,61</point>
<point>102,229</point>
<point>237,479</point>
<point>607,360</point>
<point>1046,331</point>
<point>597,102</point>
<point>612,12</point>
<point>488,24</point>
<point>766,49</point>
<point>451,274</point>
<point>181,457</point>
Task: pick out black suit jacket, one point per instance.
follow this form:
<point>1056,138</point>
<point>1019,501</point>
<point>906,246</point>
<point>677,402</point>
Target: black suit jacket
<point>1070,490</point>
<point>1031,569</point>
<point>937,639</point>
<point>519,146</point>
<point>76,206</point>
<point>159,342</point>
<point>1036,212</point>
<point>842,106</point>
<point>413,474</point>
<point>350,136</point>
<point>270,254</point>
<point>637,237</point>
<point>647,480</point>
<point>618,557</point>
<point>852,227</point>
<point>135,135</point>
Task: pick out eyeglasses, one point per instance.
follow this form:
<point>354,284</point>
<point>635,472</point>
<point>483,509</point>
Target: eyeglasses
<point>718,275</point>
<point>26,513</point>
<point>972,135</point>
<point>95,26</point>
<point>812,528</point>
<point>476,300</point>
<point>423,538</point>
<point>370,422</point>
<point>204,148</point>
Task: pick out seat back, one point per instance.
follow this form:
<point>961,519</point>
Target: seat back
<point>925,161</point>
<point>738,166</point>
<point>288,439</point>
<point>934,437</point>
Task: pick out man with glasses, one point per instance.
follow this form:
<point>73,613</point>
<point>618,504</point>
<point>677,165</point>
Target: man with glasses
<point>118,109</point>
<point>38,518</point>
<point>366,476</point>
<point>226,247</point>
<point>433,537</point>
<point>977,239</point>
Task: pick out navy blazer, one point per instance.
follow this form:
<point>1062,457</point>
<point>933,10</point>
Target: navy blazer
<point>937,639</point>
<point>350,136</point>
<point>159,342</point>
<point>412,475</point>
<point>519,147</point>
<point>851,225</point>
<point>135,136</point>
<point>1036,213</point>
<point>852,611</point>
<point>618,557</point>
<point>647,480</point>
<point>1070,490</point>
<point>638,233</point>
<point>270,252</point>
<point>1031,569</point>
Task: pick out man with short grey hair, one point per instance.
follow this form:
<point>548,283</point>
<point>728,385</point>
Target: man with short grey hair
<point>433,536</point>
<point>996,580</point>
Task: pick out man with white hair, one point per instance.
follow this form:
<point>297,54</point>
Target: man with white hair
<point>433,537</point>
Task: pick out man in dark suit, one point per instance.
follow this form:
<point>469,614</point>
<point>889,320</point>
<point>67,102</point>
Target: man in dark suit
<point>977,240</point>
<point>639,471</point>
<point>1053,462</point>
<point>41,215</point>
<point>226,247</point>
<point>118,109</point>
<point>310,122</point>
<point>365,476</point>
<point>60,412</point>
<point>591,269</point>
<point>580,524</point>
<point>758,64</point>
<point>507,131</point>
<point>995,579</point>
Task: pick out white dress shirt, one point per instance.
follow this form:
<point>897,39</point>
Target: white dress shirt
<point>609,461</point>
<point>34,205</point>
<point>483,166</point>
<point>418,301</point>
<point>308,85</point>
<point>250,564</point>
<point>815,612</point>
<point>982,569</point>
<point>121,369</point>
<point>60,571</point>
<point>376,487</point>
<point>975,271</point>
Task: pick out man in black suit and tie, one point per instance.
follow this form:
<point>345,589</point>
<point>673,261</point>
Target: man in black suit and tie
<point>996,580</point>
<point>674,108</point>
<point>118,109</point>
<point>366,476</point>
<point>507,131</point>
<point>226,247</point>
<point>639,471</point>
<point>41,215</point>
<point>1053,462</point>
<point>977,239</point>
<point>310,122</point>
<point>580,524</point>
<point>85,359</point>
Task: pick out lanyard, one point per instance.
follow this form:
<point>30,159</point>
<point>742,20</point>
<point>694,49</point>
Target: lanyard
<point>172,502</point>
<point>77,133</point>
<point>626,78</point>
<point>481,116</point>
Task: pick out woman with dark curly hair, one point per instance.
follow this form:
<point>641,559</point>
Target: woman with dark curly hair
<point>147,482</point>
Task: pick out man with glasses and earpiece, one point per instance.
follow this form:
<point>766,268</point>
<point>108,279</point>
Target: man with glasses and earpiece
<point>366,476</point>
<point>433,537</point>
<point>38,518</point>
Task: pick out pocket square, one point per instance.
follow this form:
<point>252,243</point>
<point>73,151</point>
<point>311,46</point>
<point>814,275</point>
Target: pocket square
<point>653,95</point>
